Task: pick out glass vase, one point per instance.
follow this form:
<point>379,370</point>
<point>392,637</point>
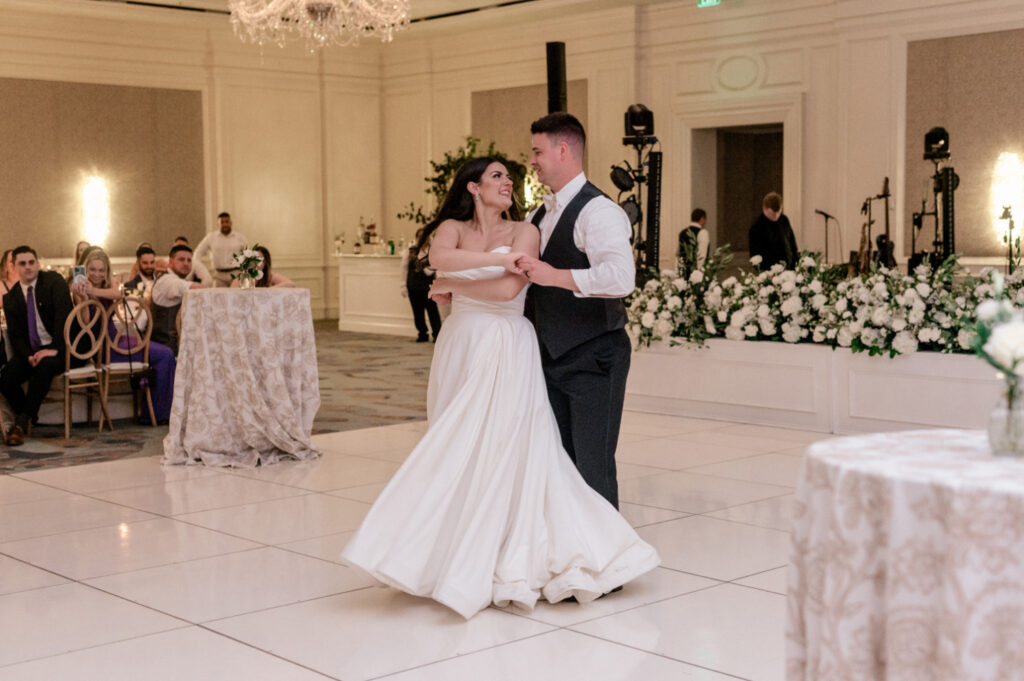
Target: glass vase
<point>1006,424</point>
<point>246,282</point>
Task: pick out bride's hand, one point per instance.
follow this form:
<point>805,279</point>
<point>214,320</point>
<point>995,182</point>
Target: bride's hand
<point>508,261</point>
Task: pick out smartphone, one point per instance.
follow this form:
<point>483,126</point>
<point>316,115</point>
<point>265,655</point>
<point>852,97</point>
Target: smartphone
<point>78,274</point>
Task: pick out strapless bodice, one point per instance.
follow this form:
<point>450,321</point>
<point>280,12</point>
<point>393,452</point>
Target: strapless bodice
<point>467,304</point>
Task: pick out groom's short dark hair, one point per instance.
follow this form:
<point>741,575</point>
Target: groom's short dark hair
<point>561,125</point>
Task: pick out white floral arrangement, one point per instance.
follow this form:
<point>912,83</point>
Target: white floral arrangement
<point>247,262</point>
<point>881,312</point>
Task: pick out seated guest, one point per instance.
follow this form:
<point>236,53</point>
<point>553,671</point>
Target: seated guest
<point>270,278</point>
<point>79,250</point>
<point>36,310</point>
<point>199,271</point>
<point>145,268</point>
<point>100,285</point>
<point>9,274</point>
<point>168,292</point>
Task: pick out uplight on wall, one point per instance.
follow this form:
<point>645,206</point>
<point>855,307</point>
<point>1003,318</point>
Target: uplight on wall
<point>1007,190</point>
<point>95,210</point>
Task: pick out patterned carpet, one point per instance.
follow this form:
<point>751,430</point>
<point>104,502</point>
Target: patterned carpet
<point>366,380</point>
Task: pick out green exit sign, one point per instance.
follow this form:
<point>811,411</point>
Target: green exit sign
<point>708,3</point>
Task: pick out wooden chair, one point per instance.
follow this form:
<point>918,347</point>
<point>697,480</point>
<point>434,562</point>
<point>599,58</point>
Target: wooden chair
<point>130,340</point>
<point>87,344</point>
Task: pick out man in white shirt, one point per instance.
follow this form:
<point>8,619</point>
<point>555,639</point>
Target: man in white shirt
<point>584,270</point>
<point>168,292</point>
<point>222,245</point>
<point>694,242</point>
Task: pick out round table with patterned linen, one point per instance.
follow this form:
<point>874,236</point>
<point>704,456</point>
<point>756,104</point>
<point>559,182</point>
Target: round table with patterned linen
<point>908,560</point>
<point>246,388</point>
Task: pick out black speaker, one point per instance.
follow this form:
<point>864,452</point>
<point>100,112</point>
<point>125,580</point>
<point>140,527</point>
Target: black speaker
<point>652,234</point>
<point>558,94</point>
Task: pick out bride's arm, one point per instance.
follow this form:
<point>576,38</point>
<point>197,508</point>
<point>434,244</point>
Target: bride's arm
<point>445,255</point>
<point>503,288</point>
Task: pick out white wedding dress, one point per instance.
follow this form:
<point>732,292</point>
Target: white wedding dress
<point>488,507</point>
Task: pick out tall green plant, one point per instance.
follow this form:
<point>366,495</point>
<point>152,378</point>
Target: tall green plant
<point>445,170</point>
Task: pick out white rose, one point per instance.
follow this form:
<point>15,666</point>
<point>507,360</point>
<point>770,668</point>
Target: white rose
<point>807,262</point>
<point>651,286</point>
<point>763,311</point>
<point>819,335</point>
<point>663,328</point>
<point>880,316</point>
<point>965,338</point>
<point>679,283</point>
<point>845,337</point>
<point>791,333</point>
<point>696,277</point>
<point>791,305</point>
<point>740,317</point>
<point>647,320</point>
<point>653,304</point>
<point>713,297</point>
<point>734,333</point>
<point>767,327</point>
<point>915,316</point>
<point>722,315</point>
<point>729,282</point>
<point>923,290</point>
<point>675,302</point>
<point>898,324</point>
<point>750,330</point>
<point>988,310</point>
<point>815,286</point>
<point>830,333</point>
<point>665,314</point>
<point>880,289</point>
<point>819,301</point>
<point>841,305</point>
<point>788,286</point>
<point>756,260</point>
<point>709,325</point>
<point>904,343</point>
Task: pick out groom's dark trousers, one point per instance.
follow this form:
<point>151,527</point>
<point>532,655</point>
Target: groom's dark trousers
<point>585,353</point>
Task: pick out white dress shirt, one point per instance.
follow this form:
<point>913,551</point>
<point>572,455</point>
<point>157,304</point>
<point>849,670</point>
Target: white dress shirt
<point>169,290</point>
<point>199,273</point>
<point>44,337</point>
<point>602,232</point>
<point>222,248</point>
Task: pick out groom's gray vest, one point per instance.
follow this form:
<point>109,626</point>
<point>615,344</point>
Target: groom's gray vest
<point>564,321</point>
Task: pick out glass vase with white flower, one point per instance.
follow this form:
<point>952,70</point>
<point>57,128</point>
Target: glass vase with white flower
<point>247,263</point>
<point>999,340</point>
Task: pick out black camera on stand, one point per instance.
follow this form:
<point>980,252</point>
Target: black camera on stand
<point>639,124</point>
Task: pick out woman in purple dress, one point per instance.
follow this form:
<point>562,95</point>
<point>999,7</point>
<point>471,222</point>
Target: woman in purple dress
<point>100,285</point>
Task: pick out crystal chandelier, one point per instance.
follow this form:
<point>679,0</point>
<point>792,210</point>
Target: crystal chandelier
<point>320,22</point>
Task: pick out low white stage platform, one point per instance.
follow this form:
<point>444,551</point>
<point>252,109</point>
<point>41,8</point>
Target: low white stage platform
<point>812,386</point>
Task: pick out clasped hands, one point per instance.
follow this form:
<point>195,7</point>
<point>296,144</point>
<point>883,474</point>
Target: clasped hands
<point>40,355</point>
<point>537,271</point>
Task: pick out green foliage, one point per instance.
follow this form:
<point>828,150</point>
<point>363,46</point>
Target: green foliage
<point>445,170</point>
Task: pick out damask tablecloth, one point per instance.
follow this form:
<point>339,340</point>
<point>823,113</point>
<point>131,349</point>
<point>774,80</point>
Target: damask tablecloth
<point>908,561</point>
<point>246,388</point>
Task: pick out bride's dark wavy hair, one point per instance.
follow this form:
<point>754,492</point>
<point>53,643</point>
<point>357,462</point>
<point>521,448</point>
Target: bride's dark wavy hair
<point>458,202</point>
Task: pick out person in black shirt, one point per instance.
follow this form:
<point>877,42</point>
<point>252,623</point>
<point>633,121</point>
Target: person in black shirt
<point>771,235</point>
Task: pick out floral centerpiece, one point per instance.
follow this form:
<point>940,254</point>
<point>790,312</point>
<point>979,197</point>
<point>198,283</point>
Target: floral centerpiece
<point>999,340</point>
<point>247,262</point>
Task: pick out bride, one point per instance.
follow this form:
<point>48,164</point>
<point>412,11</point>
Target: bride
<point>488,508</point>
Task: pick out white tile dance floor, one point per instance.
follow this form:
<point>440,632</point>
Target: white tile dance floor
<point>129,571</point>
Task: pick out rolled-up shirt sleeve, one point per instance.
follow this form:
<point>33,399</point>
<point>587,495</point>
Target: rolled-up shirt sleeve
<point>602,232</point>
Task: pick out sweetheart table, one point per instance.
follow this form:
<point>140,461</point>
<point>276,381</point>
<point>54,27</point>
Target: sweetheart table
<point>246,388</point>
<point>907,560</point>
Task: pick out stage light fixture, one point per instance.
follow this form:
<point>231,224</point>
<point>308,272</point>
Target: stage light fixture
<point>936,144</point>
<point>622,179</point>
<point>639,121</point>
<point>632,210</point>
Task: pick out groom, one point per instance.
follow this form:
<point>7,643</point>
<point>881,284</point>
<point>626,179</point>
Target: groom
<point>584,271</point>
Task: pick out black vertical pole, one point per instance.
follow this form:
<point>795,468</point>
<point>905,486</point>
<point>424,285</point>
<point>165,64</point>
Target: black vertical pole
<point>558,98</point>
<point>652,233</point>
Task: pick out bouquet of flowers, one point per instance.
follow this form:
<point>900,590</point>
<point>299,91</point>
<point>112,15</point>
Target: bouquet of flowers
<point>247,263</point>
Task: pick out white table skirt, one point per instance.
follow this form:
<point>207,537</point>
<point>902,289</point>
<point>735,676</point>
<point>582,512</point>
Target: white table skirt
<point>246,388</point>
<point>908,560</point>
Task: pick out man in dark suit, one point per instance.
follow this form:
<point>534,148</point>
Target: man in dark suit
<point>584,270</point>
<point>36,310</point>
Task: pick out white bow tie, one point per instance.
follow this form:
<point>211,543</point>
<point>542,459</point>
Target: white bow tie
<point>550,203</point>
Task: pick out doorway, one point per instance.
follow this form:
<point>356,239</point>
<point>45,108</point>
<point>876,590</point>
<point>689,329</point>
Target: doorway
<point>733,168</point>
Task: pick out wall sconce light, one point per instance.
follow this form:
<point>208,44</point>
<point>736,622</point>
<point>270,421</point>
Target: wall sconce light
<point>95,210</point>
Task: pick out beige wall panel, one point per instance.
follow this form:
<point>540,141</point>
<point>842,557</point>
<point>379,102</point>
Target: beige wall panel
<point>694,77</point>
<point>271,147</point>
<point>353,158</point>
<point>406,150</point>
<point>824,176</point>
<point>784,68</point>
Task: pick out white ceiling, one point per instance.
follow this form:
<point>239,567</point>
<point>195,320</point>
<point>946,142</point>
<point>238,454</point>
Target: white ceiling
<point>420,8</point>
